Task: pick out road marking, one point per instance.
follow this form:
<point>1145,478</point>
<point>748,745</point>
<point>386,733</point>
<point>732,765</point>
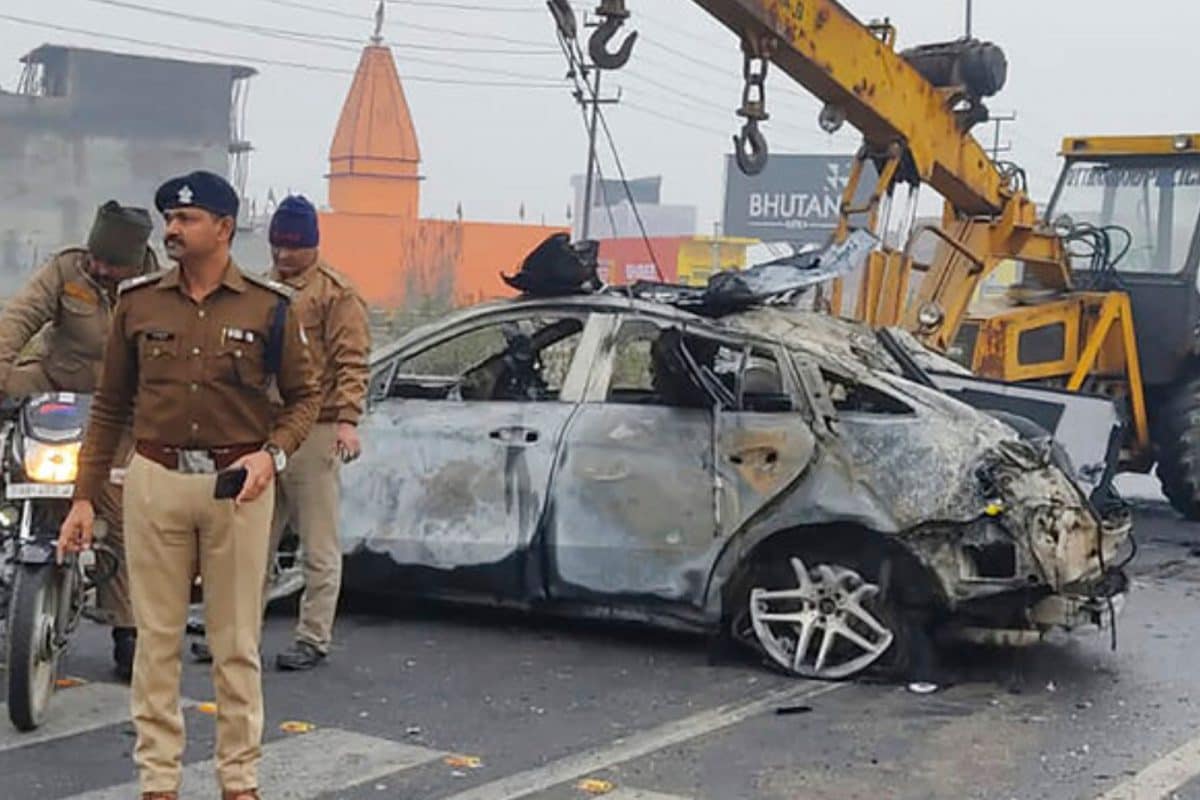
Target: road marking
<point>640,744</point>
<point>301,767</point>
<point>72,711</point>
<point>1160,778</point>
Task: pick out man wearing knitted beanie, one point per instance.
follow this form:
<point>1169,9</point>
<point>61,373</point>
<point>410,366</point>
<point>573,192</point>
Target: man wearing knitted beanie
<point>334,317</point>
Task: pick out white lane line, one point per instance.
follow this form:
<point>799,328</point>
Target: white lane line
<point>641,794</point>
<point>302,767</point>
<point>1161,777</point>
<point>72,711</point>
<point>640,744</point>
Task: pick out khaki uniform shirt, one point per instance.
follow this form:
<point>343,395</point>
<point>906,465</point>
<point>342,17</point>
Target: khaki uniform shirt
<point>69,312</point>
<point>334,317</point>
<point>193,375</point>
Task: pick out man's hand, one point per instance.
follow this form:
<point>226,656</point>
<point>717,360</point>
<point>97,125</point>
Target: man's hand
<point>260,470</point>
<point>348,446</point>
<point>77,529</point>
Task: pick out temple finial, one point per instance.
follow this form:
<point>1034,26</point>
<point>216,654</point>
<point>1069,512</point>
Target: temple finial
<point>377,39</point>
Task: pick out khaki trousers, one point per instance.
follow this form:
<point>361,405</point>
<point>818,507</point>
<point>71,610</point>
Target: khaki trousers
<point>171,523</point>
<point>306,498</point>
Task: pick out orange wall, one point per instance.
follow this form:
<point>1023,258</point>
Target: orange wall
<point>393,262</point>
<point>489,248</point>
<point>369,250</point>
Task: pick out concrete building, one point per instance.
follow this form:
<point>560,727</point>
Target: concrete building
<point>613,217</point>
<point>83,126</point>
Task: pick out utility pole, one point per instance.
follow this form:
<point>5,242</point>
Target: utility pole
<point>568,29</point>
<point>586,223</point>
<point>968,19</point>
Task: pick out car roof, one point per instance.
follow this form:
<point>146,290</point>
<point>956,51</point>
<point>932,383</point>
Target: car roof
<point>830,339</point>
<point>612,303</point>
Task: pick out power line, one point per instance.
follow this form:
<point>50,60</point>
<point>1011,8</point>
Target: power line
<point>272,33</point>
<point>318,9</point>
<point>455,32</point>
<point>346,15</point>
<point>269,61</point>
<point>454,6</point>
<point>304,35</point>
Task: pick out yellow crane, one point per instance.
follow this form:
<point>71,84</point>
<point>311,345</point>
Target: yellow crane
<point>1081,318</point>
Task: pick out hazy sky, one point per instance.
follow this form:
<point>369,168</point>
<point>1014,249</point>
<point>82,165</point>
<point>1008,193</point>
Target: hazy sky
<point>1075,66</point>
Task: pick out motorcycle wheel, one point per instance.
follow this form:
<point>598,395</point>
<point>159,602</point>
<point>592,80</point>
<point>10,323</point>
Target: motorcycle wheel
<point>32,656</point>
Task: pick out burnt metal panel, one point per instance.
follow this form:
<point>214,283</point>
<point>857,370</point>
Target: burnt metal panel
<point>457,488</point>
<point>633,506</point>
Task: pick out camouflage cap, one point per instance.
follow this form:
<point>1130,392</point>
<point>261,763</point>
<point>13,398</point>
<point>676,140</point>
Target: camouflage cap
<point>119,234</point>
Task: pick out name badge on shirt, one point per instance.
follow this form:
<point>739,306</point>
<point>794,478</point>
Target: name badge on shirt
<point>238,335</point>
<point>159,336</point>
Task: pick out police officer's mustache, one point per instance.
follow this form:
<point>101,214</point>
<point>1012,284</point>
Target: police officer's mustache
<point>173,239</point>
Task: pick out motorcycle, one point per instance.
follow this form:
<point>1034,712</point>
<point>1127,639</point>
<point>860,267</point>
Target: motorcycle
<point>45,599</point>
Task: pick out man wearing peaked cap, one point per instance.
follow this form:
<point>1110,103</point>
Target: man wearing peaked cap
<point>195,358</point>
<point>199,189</point>
<point>52,336</point>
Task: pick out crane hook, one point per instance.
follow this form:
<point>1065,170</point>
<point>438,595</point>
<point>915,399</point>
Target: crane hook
<point>750,148</point>
<point>600,38</point>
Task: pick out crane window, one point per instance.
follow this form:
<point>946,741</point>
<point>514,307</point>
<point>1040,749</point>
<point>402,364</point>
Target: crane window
<point>1157,204</point>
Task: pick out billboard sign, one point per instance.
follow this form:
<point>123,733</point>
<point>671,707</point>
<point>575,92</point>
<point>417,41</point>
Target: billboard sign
<point>795,199</point>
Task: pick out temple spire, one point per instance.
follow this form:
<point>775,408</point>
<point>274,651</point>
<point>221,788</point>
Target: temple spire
<point>374,157</point>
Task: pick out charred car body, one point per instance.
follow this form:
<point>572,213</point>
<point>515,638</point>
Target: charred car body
<point>771,473</point>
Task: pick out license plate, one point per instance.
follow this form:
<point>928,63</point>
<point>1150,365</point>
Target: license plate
<point>32,491</point>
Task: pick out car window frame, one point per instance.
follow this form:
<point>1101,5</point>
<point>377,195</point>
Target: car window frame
<point>574,380</point>
<point>602,370</point>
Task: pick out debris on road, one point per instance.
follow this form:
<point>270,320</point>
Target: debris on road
<point>595,786</point>
<point>459,761</point>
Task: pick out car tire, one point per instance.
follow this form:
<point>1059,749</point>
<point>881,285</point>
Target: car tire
<point>1178,440</point>
<point>899,645</point>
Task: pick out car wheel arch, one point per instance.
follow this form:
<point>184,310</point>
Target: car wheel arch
<point>916,583</point>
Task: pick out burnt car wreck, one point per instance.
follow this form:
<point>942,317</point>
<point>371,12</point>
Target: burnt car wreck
<point>771,473</point>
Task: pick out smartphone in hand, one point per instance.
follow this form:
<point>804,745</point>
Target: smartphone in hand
<point>229,483</point>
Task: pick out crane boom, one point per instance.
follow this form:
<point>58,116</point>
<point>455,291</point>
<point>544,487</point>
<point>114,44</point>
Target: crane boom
<point>915,110</point>
<point>853,67</point>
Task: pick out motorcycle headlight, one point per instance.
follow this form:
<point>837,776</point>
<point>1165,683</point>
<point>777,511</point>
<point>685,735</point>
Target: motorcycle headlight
<point>51,463</point>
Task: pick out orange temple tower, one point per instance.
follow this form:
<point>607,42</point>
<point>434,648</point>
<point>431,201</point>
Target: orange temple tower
<point>372,230</point>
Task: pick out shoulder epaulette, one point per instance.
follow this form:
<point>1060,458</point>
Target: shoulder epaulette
<point>273,285</point>
<point>335,276</point>
<point>73,250</point>
<point>141,280</point>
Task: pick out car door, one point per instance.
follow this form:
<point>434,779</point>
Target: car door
<point>459,442</point>
<point>659,465</point>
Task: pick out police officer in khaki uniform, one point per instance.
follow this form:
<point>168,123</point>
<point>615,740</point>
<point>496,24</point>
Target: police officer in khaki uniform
<point>334,317</point>
<point>52,339</point>
<point>193,358</point>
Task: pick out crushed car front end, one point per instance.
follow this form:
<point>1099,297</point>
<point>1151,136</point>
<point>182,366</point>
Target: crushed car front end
<point>1015,543</point>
